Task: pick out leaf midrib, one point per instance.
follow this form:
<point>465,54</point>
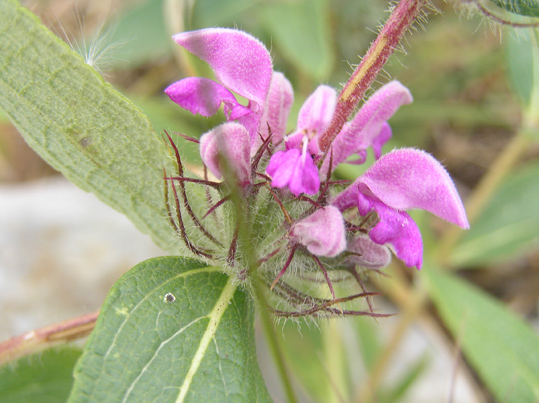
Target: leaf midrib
<point>209,269</point>
<point>215,317</point>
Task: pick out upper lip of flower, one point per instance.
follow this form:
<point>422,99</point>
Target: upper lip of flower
<point>402,180</point>
<point>243,65</point>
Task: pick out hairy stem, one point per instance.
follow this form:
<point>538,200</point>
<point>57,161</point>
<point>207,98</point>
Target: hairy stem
<point>402,17</point>
<point>48,336</point>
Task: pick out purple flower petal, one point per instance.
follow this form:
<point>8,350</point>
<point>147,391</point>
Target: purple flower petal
<point>277,107</point>
<point>369,127</point>
<point>227,147</point>
<point>294,169</point>
<point>369,254</point>
<point>240,61</point>
<point>360,159</point>
<point>394,228</point>
<point>379,141</point>
<point>316,113</point>
<point>322,233</point>
<point>204,96</point>
<point>408,179</point>
<point>347,198</point>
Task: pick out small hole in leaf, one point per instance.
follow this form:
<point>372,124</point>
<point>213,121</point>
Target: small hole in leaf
<point>169,298</point>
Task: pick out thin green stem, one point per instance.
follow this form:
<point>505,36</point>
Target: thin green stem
<point>335,361</point>
<point>274,344</point>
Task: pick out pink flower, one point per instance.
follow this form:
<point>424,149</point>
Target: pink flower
<point>242,65</point>
<point>399,181</point>
<point>322,233</point>
<point>402,180</point>
<point>294,169</point>
<point>368,129</point>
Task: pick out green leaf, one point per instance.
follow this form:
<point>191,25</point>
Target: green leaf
<point>79,124</point>
<point>41,378</point>
<point>522,53</point>
<point>508,224</point>
<point>519,54</point>
<point>528,8</point>
<point>196,346</point>
<point>502,348</point>
<point>301,30</point>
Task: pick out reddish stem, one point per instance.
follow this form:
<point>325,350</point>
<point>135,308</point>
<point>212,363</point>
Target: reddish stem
<point>385,44</point>
<point>36,340</point>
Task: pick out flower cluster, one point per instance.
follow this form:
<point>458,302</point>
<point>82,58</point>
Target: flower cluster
<point>271,224</point>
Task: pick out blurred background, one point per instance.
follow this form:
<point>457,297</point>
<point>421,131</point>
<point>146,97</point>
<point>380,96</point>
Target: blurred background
<point>61,249</point>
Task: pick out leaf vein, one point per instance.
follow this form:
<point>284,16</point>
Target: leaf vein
<point>148,295</point>
<point>215,317</point>
<point>164,343</point>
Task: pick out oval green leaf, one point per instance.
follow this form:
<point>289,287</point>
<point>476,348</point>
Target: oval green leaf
<point>502,348</point>
<point>172,330</point>
<point>44,377</point>
<point>79,124</point>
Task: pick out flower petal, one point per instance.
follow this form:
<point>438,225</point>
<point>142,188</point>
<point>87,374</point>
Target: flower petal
<point>408,179</point>
<point>293,169</point>
<point>347,198</point>
<point>240,61</point>
<point>277,107</point>
<point>281,167</point>
<point>204,96</point>
<point>322,233</point>
<point>227,147</point>
<point>368,253</point>
<point>316,113</point>
<point>394,228</point>
<point>397,229</point>
<point>369,127</point>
